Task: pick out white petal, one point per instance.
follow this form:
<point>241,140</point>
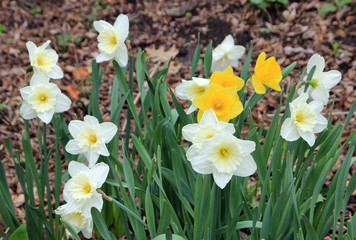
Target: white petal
<point>122,25</point>
<point>200,162</point>
<point>321,123</point>
<point>27,112</point>
<point>100,172</point>
<point>309,137</point>
<point>247,167</point>
<point>320,93</point>
<point>101,149</point>
<point>31,47</point>
<point>180,90</point>
<point>330,79</point>
<point>301,99</point>
<point>75,126</point>
<point>56,72</point>
<point>101,25</point>
<point>46,117</point>
<point>231,62</point>
<point>75,167</point>
<point>228,42</point>
<point>224,127</point>
<point>316,106</point>
<point>26,92</point>
<point>203,82</point>
<point>216,66</point>
<point>209,118</point>
<point>92,157</point>
<point>73,206</point>
<point>95,201</point>
<point>62,103</point>
<point>221,179</point>
<point>91,120</point>
<point>318,61</point>
<point>46,44</point>
<point>39,78</point>
<point>73,148</point>
<point>189,131</point>
<point>236,52</point>
<point>66,194</point>
<point>102,57</point>
<point>247,146</point>
<point>289,131</point>
<point>192,108</point>
<point>108,131</point>
<point>192,152</point>
<point>87,232</point>
<point>122,56</point>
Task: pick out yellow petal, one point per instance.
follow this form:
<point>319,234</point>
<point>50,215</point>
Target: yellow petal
<point>227,79</point>
<point>257,85</point>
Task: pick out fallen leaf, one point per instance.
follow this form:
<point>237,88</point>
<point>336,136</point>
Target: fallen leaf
<point>159,55</point>
<point>81,72</point>
<point>72,91</point>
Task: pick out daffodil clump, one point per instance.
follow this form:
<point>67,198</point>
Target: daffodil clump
<point>144,167</point>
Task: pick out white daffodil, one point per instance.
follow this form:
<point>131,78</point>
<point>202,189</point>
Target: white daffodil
<point>227,54</point>
<point>44,60</point>
<point>80,191</point>
<point>190,90</point>
<point>112,40</point>
<point>224,155</point>
<point>90,138</point>
<point>305,120</point>
<point>209,126</point>
<point>78,221</point>
<point>42,99</point>
<point>322,82</point>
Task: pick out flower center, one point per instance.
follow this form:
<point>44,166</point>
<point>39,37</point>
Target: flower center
<point>76,219</point>
<point>224,153</point>
<point>218,106</point>
<point>108,41</point>
<point>92,139</point>
<point>44,61</point>
<point>42,98</point>
<point>305,118</point>
<point>300,118</point>
<point>80,187</point>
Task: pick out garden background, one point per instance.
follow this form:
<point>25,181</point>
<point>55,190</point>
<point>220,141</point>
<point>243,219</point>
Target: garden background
<point>290,32</point>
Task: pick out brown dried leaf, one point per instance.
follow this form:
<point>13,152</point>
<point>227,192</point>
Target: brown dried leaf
<point>159,55</point>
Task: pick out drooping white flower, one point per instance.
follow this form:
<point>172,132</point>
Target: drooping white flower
<point>42,99</point>
<point>90,138</point>
<point>305,120</point>
<point>44,60</point>
<point>322,82</point>
<point>224,155</point>
<point>226,54</point>
<point>190,90</point>
<point>80,191</point>
<point>112,40</point>
<point>78,221</point>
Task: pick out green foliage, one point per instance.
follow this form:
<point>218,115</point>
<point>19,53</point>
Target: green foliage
<point>266,3</point>
<point>35,10</point>
<point>63,40</point>
<point>328,8</point>
<point>2,29</point>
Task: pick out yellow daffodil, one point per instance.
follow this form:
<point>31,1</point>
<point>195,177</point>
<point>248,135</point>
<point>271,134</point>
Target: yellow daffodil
<point>227,79</point>
<point>224,102</point>
<point>267,72</point>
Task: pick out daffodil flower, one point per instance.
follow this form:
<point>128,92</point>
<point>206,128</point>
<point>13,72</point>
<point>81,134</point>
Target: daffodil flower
<point>90,138</point>
<point>209,126</point>
<point>305,120</point>
<point>267,72</point>
<point>224,155</point>
<point>44,60</point>
<point>190,90</point>
<point>78,221</point>
<point>224,101</point>
<point>226,54</point>
<point>80,191</point>
<point>112,40</point>
<point>42,99</point>
<point>227,79</point>
<point>321,82</point>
